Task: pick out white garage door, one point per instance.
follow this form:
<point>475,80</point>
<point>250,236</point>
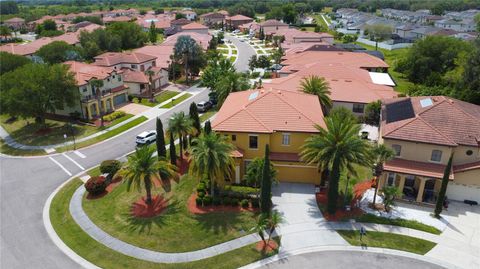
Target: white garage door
<point>461,192</point>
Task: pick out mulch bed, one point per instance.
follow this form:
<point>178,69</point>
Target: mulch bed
<point>267,249</point>
<point>341,213</point>
<point>194,209</point>
<point>183,164</point>
<point>115,182</point>
<point>140,209</point>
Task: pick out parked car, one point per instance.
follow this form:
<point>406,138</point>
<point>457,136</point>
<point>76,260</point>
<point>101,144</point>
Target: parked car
<point>204,106</point>
<point>146,137</point>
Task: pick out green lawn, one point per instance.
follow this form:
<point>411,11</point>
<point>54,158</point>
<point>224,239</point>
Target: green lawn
<point>82,244</point>
<point>412,224</point>
<point>234,51</point>
<point>162,97</point>
<point>176,230</point>
<point>388,240</point>
<point>106,135</point>
<point>207,115</point>
<point>6,149</point>
<point>26,131</point>
<point>177,101</point>
<point>233,59</point>
<point>222,46</point>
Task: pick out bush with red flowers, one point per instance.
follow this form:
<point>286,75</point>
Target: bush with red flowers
<point>96,185</point>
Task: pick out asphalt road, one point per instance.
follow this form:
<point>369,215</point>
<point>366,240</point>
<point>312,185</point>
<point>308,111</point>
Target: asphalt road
<point>349,259</point>
<point>26,183</point>
<point>245,52</point>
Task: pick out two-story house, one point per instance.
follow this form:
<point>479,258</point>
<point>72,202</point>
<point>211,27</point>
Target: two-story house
<point>212,18</point>
<point>281,119</point>
<point>424,132</point>
<point>112,93</point>
<point>141,74</point>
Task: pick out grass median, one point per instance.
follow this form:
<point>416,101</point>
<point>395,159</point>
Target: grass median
<point>176,101</point>
<point>388,240</point>
<point>81,243</point>
<point>162,97</point>
<point>412,224</point>
<point>104,136</point>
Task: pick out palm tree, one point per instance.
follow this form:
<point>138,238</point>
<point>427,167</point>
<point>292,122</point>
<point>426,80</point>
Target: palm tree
<point>231,82</point>
<point>150,73</point>
<point>337,148</point>
<point>143,167</point>
<point>381,154</point>
<point>210,157</point>
<point>96,85</point>
<point>184,50</point>
<point>180,125</point>
<point>318,86</point>
<point>215,71</point>
<point>273,222</point>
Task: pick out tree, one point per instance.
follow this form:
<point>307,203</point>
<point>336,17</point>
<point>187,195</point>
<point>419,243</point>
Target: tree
<point>11,62</point>
<point>210,157</point>
<point>152,34</point>
<point>443,188</point>
<point>220,37</point>
<point>252,63</point>
<point>261,226</point>
<point>263,62</point>
<point>130,34</point>
<point>207,127</point>
<point>5,31</point>
<point>99,41</point>
<point>193,114</point>
<point>58,52</point>
<point>266,187</point>
<point>181,126</point>
<point>97,85</point>
<point>8,7</point>
<point>389,195</point>
<point>232,82</point>
<point>92,19</point>
<point>381,154</point>
<point>273,221</point>
<point>49,25</point>
<point>161,150</point>
<point>173,151</point>
<point>372,113</point>
<point>179,16</point>
<point>343,113</point>
<point>261,34</point>
<point>379,32</point>
<point>185,49</point>
<point>254,172</point>
<point>470,91</point>
<point>215,71</point>
<point>289,13</point>
<point>33,90</point>
<point>318,86</point>
<point>143,167</point>
<point>337,148</point>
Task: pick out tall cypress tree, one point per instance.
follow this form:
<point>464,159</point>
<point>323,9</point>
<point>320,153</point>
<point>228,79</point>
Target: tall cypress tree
<point>161,150</point>
<point>208,127</point>
<point>443,188</point>
<point>173,152</point>
<point>193,114</point>
<point>266,188</point>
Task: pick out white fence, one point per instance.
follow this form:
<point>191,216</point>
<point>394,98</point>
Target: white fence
<point>383,45</point>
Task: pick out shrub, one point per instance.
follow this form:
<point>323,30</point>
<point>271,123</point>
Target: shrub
<point>201,187</point>
<point>267,75</point>
<point>130,98</point>
<point>240,192</point>
<point>217,200</point>
<point>110,167</point>
<point>201,194</point>
<point>207,200</point>
<point>199,201</point>
<point>135,100</point>
<point>115,115</point>
<point>226,201</point>
<point>255,203</point>
<point>96,185</point>
<point>234,202</point>
<point>244,203</point>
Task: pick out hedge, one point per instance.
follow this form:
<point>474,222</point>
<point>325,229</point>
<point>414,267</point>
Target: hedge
<point>115,115</point>
<point>110,167</point>
<point>240,192</point>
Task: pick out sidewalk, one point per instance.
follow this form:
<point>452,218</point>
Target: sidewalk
<point>150,114</point>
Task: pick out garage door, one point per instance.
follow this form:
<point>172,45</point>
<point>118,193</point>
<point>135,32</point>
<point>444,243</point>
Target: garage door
<point>119,99</point>
<point>297,174</point>
<point>461,192</point>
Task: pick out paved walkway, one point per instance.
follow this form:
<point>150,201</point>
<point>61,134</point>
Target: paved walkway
<point>151,113</point>
<point>304,228</point>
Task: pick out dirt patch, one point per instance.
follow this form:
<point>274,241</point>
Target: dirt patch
<point>267,247</point>
<point>183,164</point>
<point>194,209</point>
<point>340,214</point>
<point>140,209</point>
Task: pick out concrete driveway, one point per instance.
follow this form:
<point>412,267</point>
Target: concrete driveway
<point>304,224</point>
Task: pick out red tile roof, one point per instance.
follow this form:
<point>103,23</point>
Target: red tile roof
<point>466,167</point>
<point>202,39</point>
<point>130,75</point>
<point>162,52</point>
<point>272,23</point>
<point>268,111</point>
<point>445,121</point>
<point>114,58</point>
<point>32,47</point>
<point>416,168</point>
<point>239,18</point>
<point>194,26</point>
<point>85,72</point>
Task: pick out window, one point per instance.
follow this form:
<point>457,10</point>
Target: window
<point>397,149</point>
<point>113,76</point>
<point>134,66</point>
<point>391,179</point>
<point>469,152</point>
<point>142,68</point>
<point>119,78</point>
<point>436,155</point>
<point>108,79</point>
<point>234,137</point>
<point>84,89</point>
<point>253,142</point>
<point>285,139</point>
<point>358,108</point>
<point>154,63</point>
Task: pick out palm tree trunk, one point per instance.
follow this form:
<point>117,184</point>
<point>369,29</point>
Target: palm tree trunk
<point>180,142</point>
<point>186,67</point>
<point>212,185</point>
<point>375,192</point>
<point>333,187</point>
<point>148,189</point>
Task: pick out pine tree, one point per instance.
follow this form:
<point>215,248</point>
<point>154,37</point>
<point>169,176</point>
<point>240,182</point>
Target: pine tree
<point>266,188</point>
<point>161,150</point>
<point>193,114</point>
<point>152,34</point>
<point>443,188</point>
<point>208,127</point>
<point>173,152</point>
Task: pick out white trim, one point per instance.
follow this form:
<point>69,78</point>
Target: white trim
<point>293,165</point>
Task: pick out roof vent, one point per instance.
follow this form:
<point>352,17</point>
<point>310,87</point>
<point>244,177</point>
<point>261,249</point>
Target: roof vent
<point>252,96</point>
<point>426,102</point>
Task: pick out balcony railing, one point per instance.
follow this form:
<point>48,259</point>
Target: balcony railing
<point>88,98</point>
